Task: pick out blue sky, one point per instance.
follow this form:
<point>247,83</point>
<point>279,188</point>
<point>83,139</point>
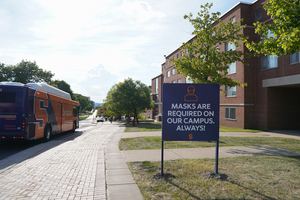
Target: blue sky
<point>94,44</point>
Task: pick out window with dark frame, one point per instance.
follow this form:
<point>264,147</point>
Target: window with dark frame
<point>230,91</point>
<point>295,58</point>
<point>269,61</point>
<point>230,113</point>
<point>258,14</point>
<point>173,72</point>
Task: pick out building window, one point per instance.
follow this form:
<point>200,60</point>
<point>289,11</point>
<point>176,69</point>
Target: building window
<point>295,58</point>
<point>156,98</point>
<point>173,72</point>
<point>268,62</point>
<point>173,81</point>
<point>230,91</point>
<point>178,55</point>
<point>258,15</point>
<point>179,80</point>
<point>229,46</point>
<point>232,68</point>
<point>164,78</point>
<point>230,113</point>
<point>168,74</point>
<point>156,85</point>
<point>269,35</point>
<point>156,109</point>
<point>233,19</point>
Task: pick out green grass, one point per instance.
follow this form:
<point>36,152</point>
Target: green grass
<point>83,117</point>
<point>156,126</point>
<point>155,143</point>
<point>231,129</point>
<point>256,177</point>
<point>143,127</point>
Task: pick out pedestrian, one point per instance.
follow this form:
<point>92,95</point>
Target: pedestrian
<point>111,119</point>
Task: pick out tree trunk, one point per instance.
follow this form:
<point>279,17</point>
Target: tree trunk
<point>135,116</point>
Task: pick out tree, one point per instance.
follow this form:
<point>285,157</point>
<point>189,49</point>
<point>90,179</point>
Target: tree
<point>62,85</point>
<point>286,29</point>
<point>5,72</point>
<point>203,62</point>
<point>84,102</point>
<point>128,97</point>
<point>25,72</point>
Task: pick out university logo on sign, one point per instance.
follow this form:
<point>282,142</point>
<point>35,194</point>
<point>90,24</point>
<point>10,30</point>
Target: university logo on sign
<point>190,112</point>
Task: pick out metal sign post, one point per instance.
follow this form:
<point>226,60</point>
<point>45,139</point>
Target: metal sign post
<point>162,158</point>
<point>190,112</point>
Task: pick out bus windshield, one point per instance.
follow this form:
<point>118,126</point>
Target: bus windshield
<point>7,97</point>
<point>11,109</point>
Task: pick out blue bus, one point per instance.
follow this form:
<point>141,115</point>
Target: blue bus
<point>35,110</point>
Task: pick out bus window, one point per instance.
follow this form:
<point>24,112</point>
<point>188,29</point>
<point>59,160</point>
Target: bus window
<point>75,111</point>
<point>7,97</point>
<point>31,103</point>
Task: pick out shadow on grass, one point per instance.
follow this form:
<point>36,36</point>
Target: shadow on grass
<point>258,193</point>
<point>232,182</point>
<point>184,190</point>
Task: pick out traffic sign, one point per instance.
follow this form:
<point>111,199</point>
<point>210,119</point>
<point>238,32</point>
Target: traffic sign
<point>101,110</point>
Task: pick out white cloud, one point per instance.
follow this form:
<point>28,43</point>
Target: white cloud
<point>94,44</point>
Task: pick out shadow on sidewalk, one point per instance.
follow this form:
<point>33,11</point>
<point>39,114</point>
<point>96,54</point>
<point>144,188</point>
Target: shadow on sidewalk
<point>18,151</point>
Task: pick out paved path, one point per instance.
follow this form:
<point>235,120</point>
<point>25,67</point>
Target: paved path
<point>70,168</point>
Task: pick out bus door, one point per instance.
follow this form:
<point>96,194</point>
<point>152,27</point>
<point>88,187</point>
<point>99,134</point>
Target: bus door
<point>12,111</point>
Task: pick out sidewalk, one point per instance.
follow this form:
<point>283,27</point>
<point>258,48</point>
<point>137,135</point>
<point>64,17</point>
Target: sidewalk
<point>172,154</point>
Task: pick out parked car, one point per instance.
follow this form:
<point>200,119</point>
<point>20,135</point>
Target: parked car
<point>100,119</point>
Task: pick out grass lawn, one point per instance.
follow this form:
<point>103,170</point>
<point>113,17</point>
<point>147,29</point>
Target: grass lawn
<point>256,177</point>
<point>143,127</point>
<point>156,126</point>
<point>155,143</point>
<point>83,117</point>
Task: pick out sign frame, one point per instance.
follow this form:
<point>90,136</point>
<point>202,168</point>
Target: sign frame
<point>190,112</point>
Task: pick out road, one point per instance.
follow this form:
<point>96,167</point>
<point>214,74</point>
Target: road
<point>8,148</point>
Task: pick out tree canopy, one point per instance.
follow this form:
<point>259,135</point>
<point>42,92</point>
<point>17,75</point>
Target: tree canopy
<point>62,85</point>
<point>24,72</point>
<point>203,62</point>
<point>286,29</point>
<point>84,102</point>
<point>128,97</point>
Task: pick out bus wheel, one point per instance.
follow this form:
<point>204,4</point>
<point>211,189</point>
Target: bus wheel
<point>74,126</point>
<point>47,134</point>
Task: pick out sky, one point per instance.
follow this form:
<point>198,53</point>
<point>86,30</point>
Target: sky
<point>94,44</point>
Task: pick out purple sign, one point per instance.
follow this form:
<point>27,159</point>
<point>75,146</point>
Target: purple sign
<point>190,112</point>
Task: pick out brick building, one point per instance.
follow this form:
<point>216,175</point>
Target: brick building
<point>271,99</point>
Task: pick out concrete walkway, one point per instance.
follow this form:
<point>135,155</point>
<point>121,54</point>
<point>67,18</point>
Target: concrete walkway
<point>119,181</point>
<point>173,154</point>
